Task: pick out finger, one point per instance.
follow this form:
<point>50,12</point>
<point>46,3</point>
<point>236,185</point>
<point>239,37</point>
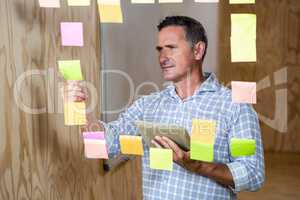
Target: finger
<point>176,149</point>
<point>162,142</point>
<point>156,144</point>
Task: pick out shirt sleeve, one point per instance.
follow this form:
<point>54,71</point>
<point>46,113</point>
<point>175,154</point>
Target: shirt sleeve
<point>248,171</point>
<point>125,124</point>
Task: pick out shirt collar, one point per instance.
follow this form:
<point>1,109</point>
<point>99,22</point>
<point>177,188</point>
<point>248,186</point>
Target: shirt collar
<point>210,84</point>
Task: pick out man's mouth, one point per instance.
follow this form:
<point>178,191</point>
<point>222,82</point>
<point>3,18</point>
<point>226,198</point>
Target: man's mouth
<point>167,67</point>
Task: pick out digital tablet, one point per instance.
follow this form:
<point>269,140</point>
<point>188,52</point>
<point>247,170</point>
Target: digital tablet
<point>148,130</point>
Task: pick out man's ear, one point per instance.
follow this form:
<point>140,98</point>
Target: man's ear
<point>199,49</point>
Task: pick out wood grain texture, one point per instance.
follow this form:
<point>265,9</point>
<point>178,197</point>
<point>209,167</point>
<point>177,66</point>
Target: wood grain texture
<point>40,158</point>
<point>278,47</point>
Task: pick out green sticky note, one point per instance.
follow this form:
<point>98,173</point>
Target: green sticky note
<point>241,1</point>
<point>243,25</point>
<point>201,151</point>
<point>70,69</point>
<point>161,159</point>
<point>242,147</point>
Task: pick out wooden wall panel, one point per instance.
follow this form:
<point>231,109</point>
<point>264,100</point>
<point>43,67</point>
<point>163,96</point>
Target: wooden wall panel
<point>278,47</point>
<point>40,158</point>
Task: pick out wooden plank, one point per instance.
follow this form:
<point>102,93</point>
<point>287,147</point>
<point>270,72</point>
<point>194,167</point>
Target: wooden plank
<point>40,158</point>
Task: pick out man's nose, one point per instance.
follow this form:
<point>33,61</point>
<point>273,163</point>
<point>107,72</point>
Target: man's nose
<point>163,57</point>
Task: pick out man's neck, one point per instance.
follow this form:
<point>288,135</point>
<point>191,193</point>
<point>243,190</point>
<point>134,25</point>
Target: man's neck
<point>186,87</point>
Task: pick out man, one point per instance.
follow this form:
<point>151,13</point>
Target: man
<point>181,47</point>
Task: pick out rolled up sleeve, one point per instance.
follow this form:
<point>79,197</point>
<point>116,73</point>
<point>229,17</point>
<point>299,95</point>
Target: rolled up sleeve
<point>248,171</point>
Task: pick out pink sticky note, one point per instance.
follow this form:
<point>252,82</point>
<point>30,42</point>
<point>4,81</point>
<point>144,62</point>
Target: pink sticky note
<point>49,3</point>
<point>95,149</point>
<point>94,135</point>
<point>243,92</point>
<point>71,33</point>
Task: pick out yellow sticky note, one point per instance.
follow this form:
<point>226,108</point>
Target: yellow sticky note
<point>243,49</point>
<point>161,159</point>
<point>70,69</point>
<point>241,1</point>
<point>131,145</point>
<point>243,25</point>
<point>170,1</point>
<point>142,1</point>
<point>203,131</point>
<point>110,11</point>
<point>79,2</point>
<point>75,113</point>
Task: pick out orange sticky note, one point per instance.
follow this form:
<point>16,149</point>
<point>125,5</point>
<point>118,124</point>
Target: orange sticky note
<point>243,92</point>
<point>203,131</point>
<point>94,149</point>
<point>74,113</point>
<point>131,145</point>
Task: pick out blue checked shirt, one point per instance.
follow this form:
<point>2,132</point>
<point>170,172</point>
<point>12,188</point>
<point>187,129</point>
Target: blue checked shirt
<point>210,101</point>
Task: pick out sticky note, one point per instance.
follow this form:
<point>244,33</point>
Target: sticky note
<point>242,147</point>
<point>142,1</point>
<point>74,113</point>
<point>79,2</point>
<point>243,92</point>
<point>200,151</point>
<point>243,49</point>
<point>110,11</point>
<point>161,159</point>
<point>207,1</point>
<point>241,1</point>
<point>99,135</point>
<point>170,1</point>
<point>243,25</point>
<point>94,149</point>
<point>131,145</point>
<point>71,33</point>
<point>70,69</point>
<point>49,3</point>
<point>203,131</point>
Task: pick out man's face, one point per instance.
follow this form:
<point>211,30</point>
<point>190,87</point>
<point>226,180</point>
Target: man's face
<point>176,56</point>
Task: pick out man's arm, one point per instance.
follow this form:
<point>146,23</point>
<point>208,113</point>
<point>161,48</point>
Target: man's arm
<point>241,173</point>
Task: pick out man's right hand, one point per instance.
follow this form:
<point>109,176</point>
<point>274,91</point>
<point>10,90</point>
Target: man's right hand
<point>74,91</point>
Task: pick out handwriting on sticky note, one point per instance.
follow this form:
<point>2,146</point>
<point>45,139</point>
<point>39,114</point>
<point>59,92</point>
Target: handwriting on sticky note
<point>203,131</point>
<point>49,3</point>
<point>161,159</point>
<point>131,145</point>
<point>243,92</point>
<point>74,113</point>
<point>95,148</point>
<point>241,1</point>
<point>79,2</point>
<point>70,69</point>
<point>242,147</point>
<point>200,151</point>
<point>71,33</point>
